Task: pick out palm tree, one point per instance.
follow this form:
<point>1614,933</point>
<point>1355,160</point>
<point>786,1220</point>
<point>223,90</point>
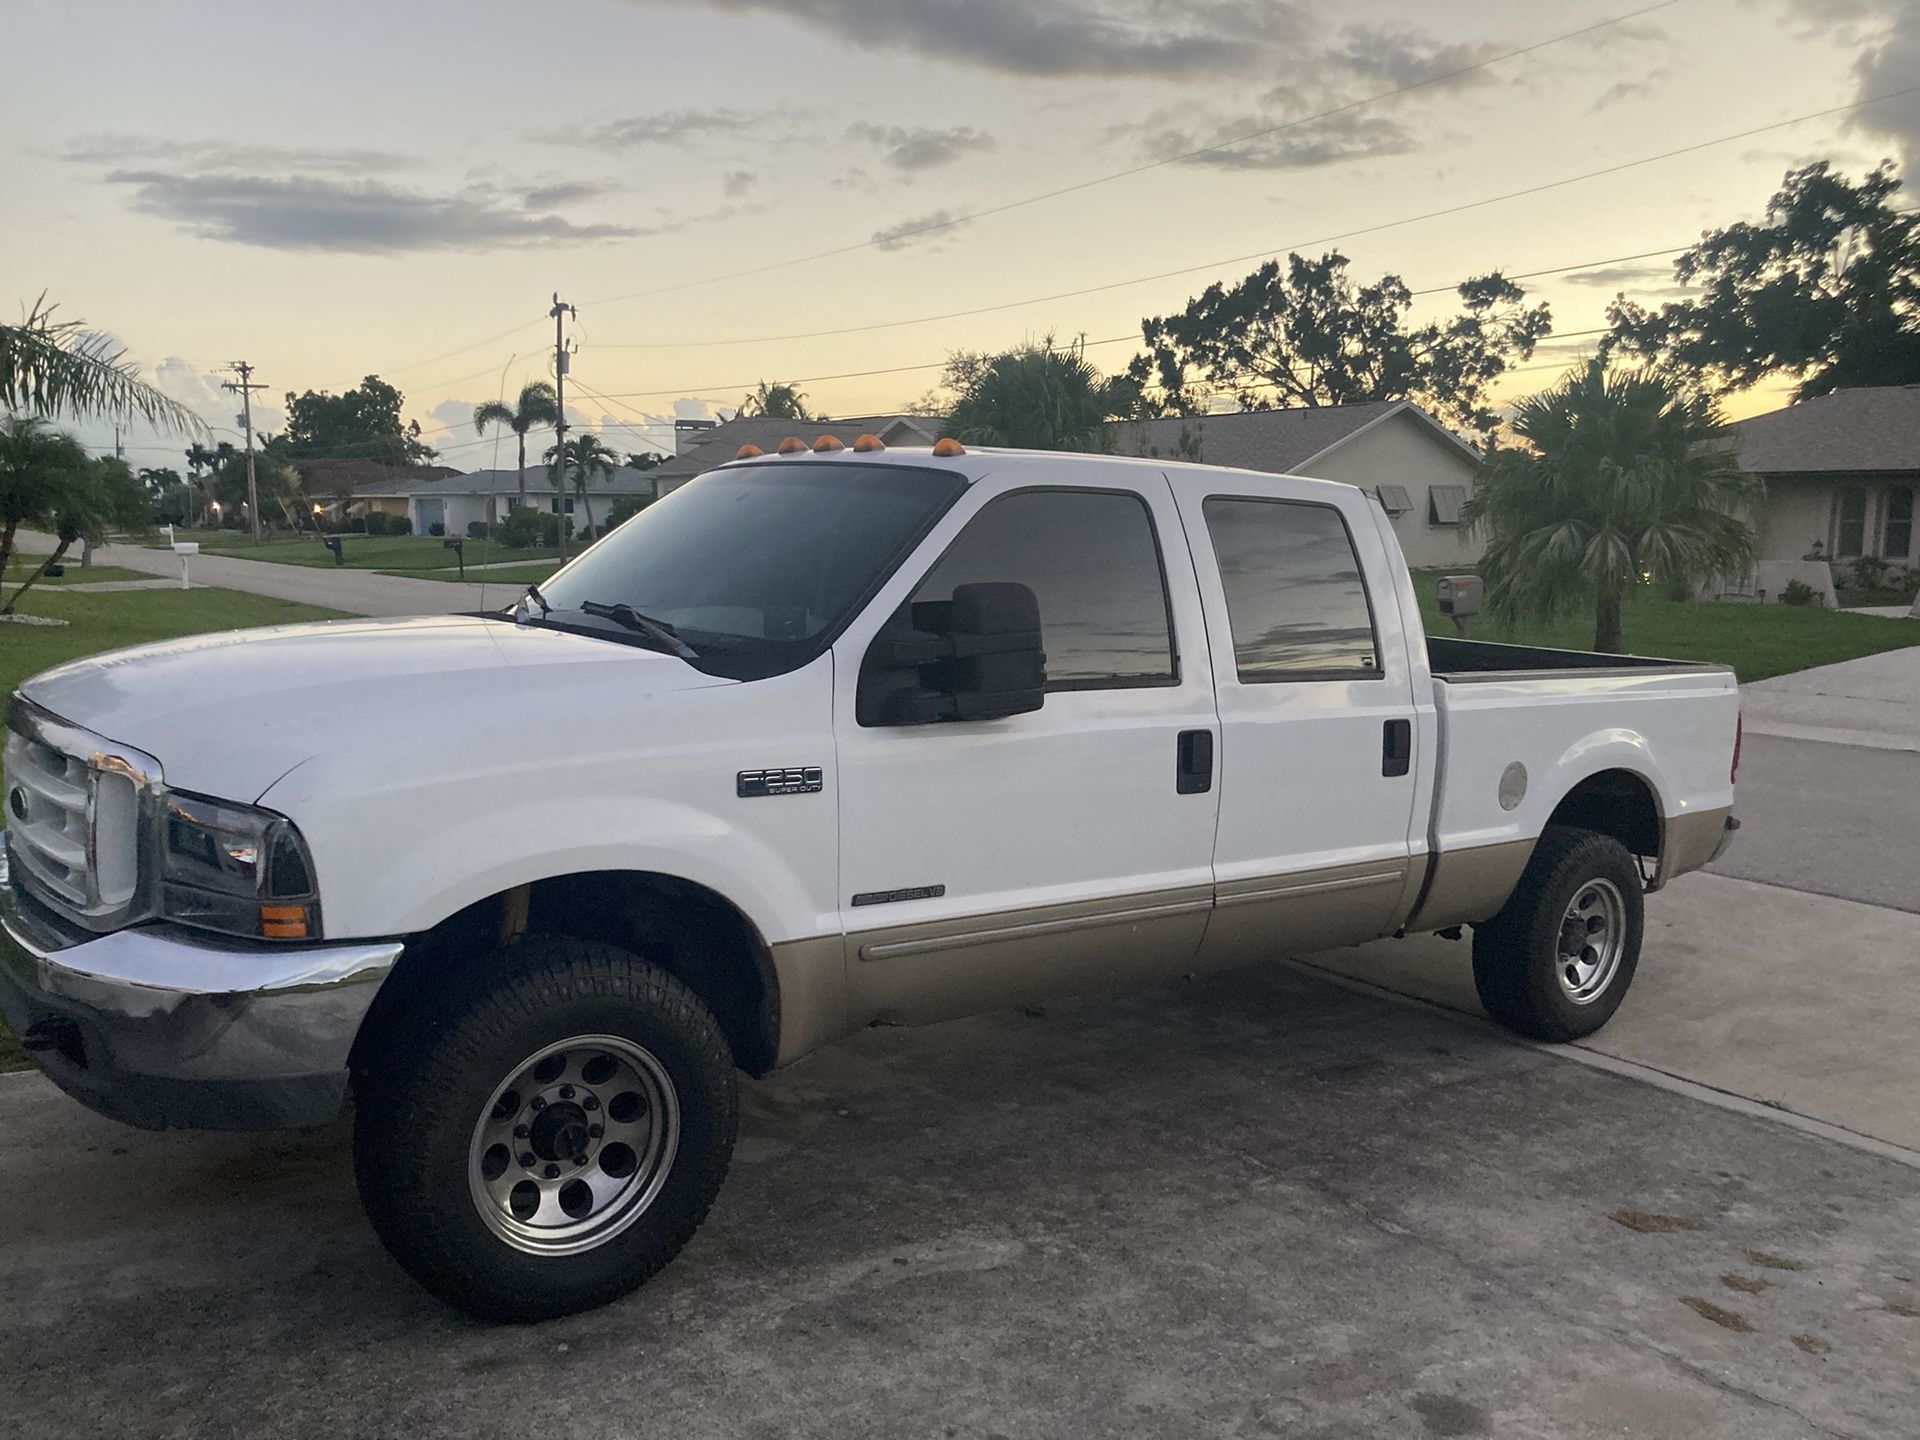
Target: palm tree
<point>81,504</point>
<point>1622,479</point>
<point>776,401</point>
<point>1039,397</point>
<point>58,367</point>
<point>537,405</point>
<point>38,466</point>
<point>582,457</point>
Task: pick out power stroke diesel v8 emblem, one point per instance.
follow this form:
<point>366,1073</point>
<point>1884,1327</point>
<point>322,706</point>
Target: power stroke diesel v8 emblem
<point>793,780</point>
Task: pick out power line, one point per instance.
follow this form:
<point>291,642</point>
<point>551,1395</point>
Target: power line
<point>1080,185</point>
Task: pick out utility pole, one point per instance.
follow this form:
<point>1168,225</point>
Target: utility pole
<point>245,387</point>
<point>559,312</point>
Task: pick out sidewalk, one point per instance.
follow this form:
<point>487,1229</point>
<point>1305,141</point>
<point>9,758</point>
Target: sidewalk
<point>358,592</point>
<point>1873,701</point>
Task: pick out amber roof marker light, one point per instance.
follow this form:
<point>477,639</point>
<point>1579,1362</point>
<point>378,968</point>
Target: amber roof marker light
<point>946,447</point>
<point>867,444</point>
<point>792,445</point>
<point>747,452</point>
<point>827,444</point>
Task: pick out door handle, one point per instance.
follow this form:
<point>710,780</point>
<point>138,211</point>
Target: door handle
<point>1193,770</point>
<point>1396,748</point>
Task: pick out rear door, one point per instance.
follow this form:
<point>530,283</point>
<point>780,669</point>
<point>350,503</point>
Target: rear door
<point>1316,753</point>
<point>1069,847</point>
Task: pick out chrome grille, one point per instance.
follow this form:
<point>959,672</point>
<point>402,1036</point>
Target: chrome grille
<point>77,809</point>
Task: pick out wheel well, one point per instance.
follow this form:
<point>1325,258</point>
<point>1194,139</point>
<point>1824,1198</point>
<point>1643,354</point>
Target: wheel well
<point>1617,803</point>
<point>695,934</point>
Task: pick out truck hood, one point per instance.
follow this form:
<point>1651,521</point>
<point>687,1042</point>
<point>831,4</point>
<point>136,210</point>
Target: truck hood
<point>228,714</point>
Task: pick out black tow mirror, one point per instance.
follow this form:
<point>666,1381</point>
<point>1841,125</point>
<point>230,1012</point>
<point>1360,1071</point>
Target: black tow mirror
<point>974,657</point>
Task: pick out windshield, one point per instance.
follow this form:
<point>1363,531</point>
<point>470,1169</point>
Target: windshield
<point>757,567</point>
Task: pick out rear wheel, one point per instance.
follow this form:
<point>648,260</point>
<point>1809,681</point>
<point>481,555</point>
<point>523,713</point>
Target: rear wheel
<point>1556,962</point>
<point>550,1135</point>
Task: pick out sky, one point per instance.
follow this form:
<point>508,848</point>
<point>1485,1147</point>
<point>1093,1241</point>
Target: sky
<point>826,191</point>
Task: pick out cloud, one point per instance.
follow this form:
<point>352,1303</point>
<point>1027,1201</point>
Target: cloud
<point>564,192</point>
<point>738,182</point>
<point>371,217</point>
<point>1169,38</point>
<point>125,150</point>
<point>202,393</point>
<point>664,127</point>
<point>1636,277</point>
<point>921,149</point>
<point>1336,140</point>
<point>1393,57</point>
<point>919,228</point>
<point>1892,62</point>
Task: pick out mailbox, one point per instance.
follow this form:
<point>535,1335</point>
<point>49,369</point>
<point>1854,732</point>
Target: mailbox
<point>332,542</point>
<point>186,550</point>
<point>459,548</point>
<point>1460,595</point>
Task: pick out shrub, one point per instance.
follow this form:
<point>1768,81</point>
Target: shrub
<point>523,528</point>
<point>624,509</point>
<point>1796,592</point>
<point>436,529</point>
<point>1869,571</point>
<point>476,529</point>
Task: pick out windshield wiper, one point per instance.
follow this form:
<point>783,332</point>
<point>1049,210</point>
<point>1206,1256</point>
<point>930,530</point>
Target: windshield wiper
<point>533,594</point>
<point>657,630</point>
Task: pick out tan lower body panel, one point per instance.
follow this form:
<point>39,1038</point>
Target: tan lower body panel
<point>813,994</point>
<point>1471,884</point>
<point>1689,841</point>
<point>943,969</point>
<point>1271,916</point>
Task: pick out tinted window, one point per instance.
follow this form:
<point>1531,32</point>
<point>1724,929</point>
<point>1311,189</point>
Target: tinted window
<point>1295,599</point>
<point>1091,558</point>
<point>758,566</point>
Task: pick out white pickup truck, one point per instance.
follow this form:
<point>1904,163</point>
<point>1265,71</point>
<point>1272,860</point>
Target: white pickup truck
<point>826,739</point>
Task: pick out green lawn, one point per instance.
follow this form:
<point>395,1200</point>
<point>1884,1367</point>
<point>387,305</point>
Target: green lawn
<point>18,571</point>
<point>107,622</point>
<point>1758,641</point>
<point>403,554</point>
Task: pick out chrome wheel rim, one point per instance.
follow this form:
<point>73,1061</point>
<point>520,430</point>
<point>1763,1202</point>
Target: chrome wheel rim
<point>1593,937</point>
<point>574,1145</point>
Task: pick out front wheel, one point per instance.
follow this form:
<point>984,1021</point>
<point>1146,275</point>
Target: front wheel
<point>548,1136</point>
<point>1556,962</point>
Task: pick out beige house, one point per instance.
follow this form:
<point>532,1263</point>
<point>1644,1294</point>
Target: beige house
<point>1841,473</point>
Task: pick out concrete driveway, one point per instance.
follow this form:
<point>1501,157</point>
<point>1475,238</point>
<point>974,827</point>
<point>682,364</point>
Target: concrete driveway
<point>1253,1204</point>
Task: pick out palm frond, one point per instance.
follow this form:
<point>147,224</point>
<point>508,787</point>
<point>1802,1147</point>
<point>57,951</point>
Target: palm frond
<point>56,367</point>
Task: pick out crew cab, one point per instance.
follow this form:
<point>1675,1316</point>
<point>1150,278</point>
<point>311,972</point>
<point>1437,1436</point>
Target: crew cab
<point>831,738</point>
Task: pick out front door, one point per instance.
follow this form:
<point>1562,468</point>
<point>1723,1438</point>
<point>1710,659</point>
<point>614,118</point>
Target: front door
<point>1317,771</point>
<point>1070,847</point>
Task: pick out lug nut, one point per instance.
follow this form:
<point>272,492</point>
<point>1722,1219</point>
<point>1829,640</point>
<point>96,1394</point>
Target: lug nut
<point>520,1132</point>
<point>529,1160</point>
<point>579,1160</point>
<point>566,1092</point>
<point>596,1131</point>
<point>539,1103</point>
<point>553,1172</point>
<point>591,1102</point>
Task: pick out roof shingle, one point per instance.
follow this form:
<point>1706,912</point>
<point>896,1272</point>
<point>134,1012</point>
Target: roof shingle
<point>1868,429</point>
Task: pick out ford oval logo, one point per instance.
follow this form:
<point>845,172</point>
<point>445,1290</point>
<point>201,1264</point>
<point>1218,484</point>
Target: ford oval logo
<point>17,802</point>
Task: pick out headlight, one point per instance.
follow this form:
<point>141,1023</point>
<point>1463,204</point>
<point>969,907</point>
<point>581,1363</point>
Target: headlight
<point>236,869</point>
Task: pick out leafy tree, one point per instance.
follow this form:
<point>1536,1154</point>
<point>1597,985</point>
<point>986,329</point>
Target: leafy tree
<point>58,367</point>
<point>581,458</point>
<point>172,501</point>
<point>1826,289</point>
<point>777,402</point>
<point>646,459</point>
<point>275,481</point>
<point>1038,397</point>
<point>537,405</point>
<point>626,507</point>
<point>47,479</point>
<point>159,479</point>
<point>360,424</point>
<point>1306,335</point>
<point>1618,477</point>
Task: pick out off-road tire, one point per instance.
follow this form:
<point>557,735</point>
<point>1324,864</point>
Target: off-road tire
<point>1517,960</point>
<point>434,1069</point>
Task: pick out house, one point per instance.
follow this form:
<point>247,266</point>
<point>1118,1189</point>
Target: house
<point>1421,473</point>
<point>456,501</point>
<point>1419,470</point>
<point>1841,472</point>
<point>703,449</point>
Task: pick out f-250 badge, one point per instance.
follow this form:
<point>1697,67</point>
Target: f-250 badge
<point>794,780</point>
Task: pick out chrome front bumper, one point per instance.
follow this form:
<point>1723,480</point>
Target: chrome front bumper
<point>160,1027</point>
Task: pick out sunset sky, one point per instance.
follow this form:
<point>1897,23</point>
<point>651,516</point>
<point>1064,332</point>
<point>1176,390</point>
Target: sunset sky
<point>352,188</point>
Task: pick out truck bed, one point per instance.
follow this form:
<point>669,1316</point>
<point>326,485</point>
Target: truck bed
<point>1458,661</point>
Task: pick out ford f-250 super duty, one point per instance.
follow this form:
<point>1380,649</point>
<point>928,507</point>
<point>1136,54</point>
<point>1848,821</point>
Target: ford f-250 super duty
<point>824,739</point>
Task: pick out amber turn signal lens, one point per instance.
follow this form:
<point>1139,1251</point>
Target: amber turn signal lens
<point>867,444</point>
<point>826,444</point>
<point>792,445</point>
<point>747,452</point>
<point>283,922</point>
<point>947,446</point>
